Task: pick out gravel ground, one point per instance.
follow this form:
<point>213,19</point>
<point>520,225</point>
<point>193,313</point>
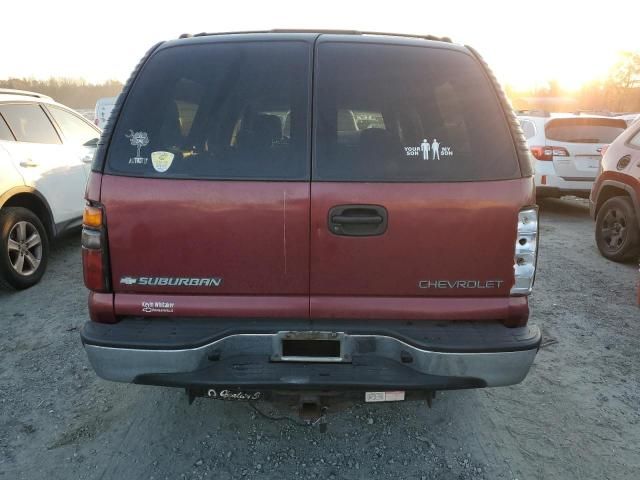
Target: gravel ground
<point>577,414</point>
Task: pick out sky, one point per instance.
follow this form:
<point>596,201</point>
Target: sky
<point>526,43</point>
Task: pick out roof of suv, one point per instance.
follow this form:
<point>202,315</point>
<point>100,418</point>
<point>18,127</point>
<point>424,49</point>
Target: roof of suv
<point>314,33</point>
<point>11,95</point>
<point>310,35</point>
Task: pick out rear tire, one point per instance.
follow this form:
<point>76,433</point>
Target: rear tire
<point>24,248</point>
<point>617,230</point>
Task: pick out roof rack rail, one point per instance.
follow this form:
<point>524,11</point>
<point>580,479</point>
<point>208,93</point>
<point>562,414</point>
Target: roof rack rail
<point>24,93</point>
<point>410,35</point>
<point>311,30</point>
<point>325,31</point>
<point>211,34</point>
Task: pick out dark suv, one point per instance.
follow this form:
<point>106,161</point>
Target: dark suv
<point>313,214</point>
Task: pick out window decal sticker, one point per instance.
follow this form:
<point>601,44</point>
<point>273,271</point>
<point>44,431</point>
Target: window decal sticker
<point>161,161</point>
<point>138,140</point>
<point>429,150</point>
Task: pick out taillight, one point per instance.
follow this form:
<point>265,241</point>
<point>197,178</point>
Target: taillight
<point>602,150</point>
<point>547,153</point>
<point>526,251</point>
<point>94,249</point>
<point>92,217</point>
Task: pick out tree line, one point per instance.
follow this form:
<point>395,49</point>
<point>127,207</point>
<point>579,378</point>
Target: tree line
<point>71,92</point>
<point>618,92</point>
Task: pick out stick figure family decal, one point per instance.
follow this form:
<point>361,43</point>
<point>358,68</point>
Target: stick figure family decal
<point>427,148</point>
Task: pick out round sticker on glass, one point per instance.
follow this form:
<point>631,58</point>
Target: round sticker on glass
<point>161,161</point>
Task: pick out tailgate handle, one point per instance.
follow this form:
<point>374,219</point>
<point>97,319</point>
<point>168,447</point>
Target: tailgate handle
<point>358,220</point>
<point>346,220</point>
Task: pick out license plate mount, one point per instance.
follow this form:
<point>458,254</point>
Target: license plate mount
<point>310,346</point>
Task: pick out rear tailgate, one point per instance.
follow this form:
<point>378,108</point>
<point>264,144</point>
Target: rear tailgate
<point>416,217</point>
<point>583,138</point>
<point>206,190</point>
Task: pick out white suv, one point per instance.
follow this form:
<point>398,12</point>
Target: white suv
<point>46,151</point>
<point>566,148</point>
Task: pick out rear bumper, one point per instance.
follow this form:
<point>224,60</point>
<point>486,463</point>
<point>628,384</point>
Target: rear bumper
<point>554,192</point>
<point>549,183</point>
<point>380,355</point>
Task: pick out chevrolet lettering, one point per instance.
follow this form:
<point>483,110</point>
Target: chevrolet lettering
<point>460,283</point>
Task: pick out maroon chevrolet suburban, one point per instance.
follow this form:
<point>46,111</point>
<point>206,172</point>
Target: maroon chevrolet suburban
<point>311,214</point>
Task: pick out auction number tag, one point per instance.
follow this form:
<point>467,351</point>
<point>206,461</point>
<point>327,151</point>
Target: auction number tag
<point>395,396</point>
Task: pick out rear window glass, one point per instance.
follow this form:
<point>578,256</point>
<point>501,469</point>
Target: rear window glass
<point>635,140</point>
<point>402,113</point>
<point>76,131</point>
<point>584,130</point>
<point>29,123</point>
<point>528,128</point>
<point>221,111</point>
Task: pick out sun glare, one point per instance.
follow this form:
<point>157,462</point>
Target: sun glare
<point>573,46</point>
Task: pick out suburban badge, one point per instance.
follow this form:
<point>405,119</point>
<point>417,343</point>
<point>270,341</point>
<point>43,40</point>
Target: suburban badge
<point>172,281</point>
